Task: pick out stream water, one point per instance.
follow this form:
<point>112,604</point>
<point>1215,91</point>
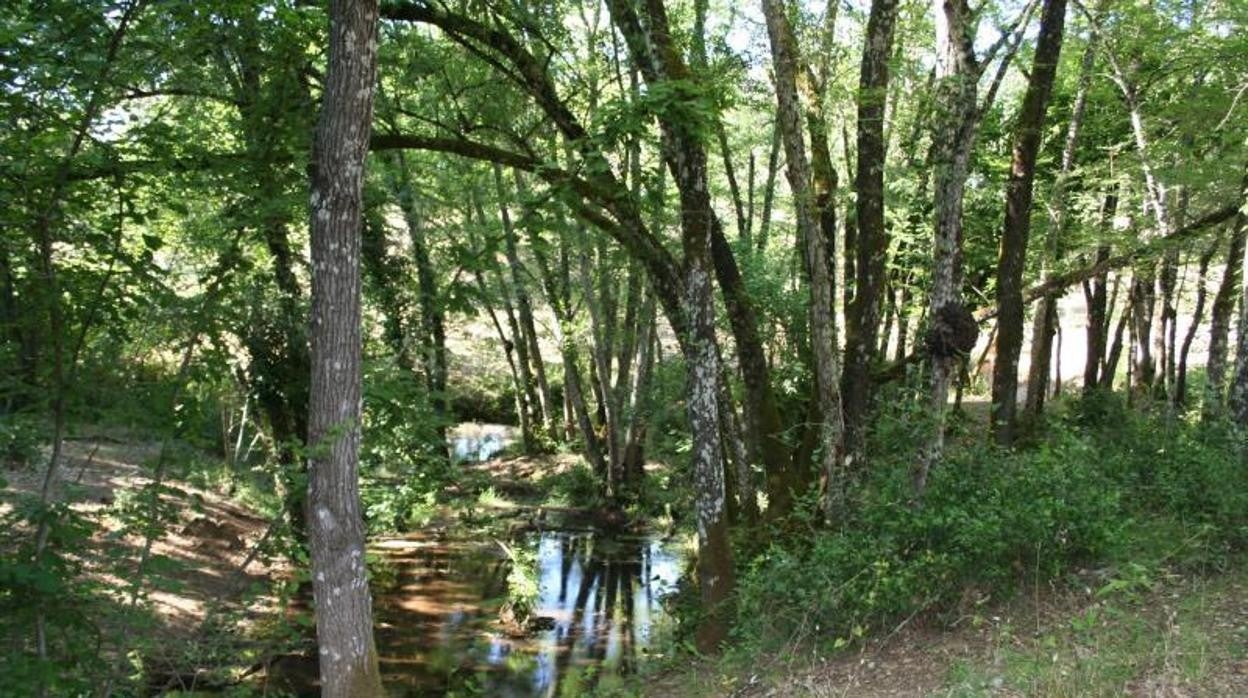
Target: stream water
<point>440,603</point>
<point>473,442</point>
<point>599,604</point>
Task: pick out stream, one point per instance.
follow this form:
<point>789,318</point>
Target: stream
<point>599,605</point>
<point>440,601</point>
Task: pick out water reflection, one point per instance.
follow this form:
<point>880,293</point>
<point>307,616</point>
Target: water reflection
<point>472,442</point>
<point>598,607</point>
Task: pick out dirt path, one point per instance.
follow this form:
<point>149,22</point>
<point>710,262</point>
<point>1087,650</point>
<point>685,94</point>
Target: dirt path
<point>206,558</point>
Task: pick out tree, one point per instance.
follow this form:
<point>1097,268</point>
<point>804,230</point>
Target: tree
<point>344,619</point>
<point>863,319</point>
<point>785,62</point>
<point>1013,255</point>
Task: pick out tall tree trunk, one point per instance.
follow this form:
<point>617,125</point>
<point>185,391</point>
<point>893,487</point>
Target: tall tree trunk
<point>1017,229</point>
<point>952,329</point>
<point>1094,293</point>
<point>432,336</point>
<point>769,188</point>
<point>650,43</point>
<point>600,356</point>
<point>540,388</point>
<point>634,438</point>
<point>344,631</point>
<point>1046,316</point>
<point>822,318</point>
<point>1143,305</point>
<point>863,319</point>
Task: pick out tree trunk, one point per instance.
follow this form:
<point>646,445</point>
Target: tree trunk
<point>1237,400</point>
<point>1046,315</point>
<point>1220,320</point>
<point>785,62</point>
<point>1016,231</point>
<point>432,317</point>
<point>347,653</point>
<point>863,319</point>
<point>769,188</point>
<point>650,45</point>
<point>1143,304</point>
<point>1094,293</point>
<point>954,125</point>
<point>538,388</point>
<point>1198,314</point>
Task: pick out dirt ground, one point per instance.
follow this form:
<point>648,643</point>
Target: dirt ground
<point>212,542</point>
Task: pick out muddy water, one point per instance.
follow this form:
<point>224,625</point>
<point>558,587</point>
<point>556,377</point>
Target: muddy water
<point>443,626</point>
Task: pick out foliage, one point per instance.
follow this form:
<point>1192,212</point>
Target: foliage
<point>992,520</point>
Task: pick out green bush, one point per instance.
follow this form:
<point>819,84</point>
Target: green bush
<point>1085,493</point>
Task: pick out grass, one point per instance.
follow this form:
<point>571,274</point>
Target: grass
<point>1175,638</point>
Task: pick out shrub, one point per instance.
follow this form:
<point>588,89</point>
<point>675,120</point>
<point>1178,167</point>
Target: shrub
<point>1087,492</point>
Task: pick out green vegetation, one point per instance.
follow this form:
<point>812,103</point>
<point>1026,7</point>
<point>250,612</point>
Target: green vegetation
<point>462,347</point>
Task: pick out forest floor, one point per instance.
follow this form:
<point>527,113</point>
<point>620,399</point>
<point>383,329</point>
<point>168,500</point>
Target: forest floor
<point>206,563</point>
<point>1169,637</point>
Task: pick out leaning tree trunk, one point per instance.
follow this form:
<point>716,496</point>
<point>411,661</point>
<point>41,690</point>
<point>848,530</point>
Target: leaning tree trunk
<point>649,42</point>
<point>863,320</point>
<point>1017,229</point>
<point>537,385</point>
<point>344,630</point>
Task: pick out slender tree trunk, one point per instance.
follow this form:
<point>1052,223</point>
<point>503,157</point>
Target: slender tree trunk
<point>1237,400</point>
<point>600,355</point>
<point>785,61</point>
<point>1094,293</point>
<point>1198,314</point>
<point>634,438</point>
<point>769,188</point>
<point>1220,320</point>
<point>1046,316</point>
<point>863,319</point>
<point>1017,229</point>
<point>432,316</point>
<point>1143,304</point>
<point>347,653</point>
<point>1109,370</point>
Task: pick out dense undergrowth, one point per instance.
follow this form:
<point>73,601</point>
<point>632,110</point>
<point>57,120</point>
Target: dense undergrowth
<point>1101,492</point>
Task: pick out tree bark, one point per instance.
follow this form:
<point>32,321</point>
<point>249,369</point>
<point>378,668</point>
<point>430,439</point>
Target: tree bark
<point>1198,314</point>
<point>1237,400</point>
<point>347,653</point>
<point>1046,316</point>
<point>863,319</point>
<point>785,61</point>
<point>954,125</point>
<point>1220,320</point>
<point>650,43</point>
<point>1017,229</point>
